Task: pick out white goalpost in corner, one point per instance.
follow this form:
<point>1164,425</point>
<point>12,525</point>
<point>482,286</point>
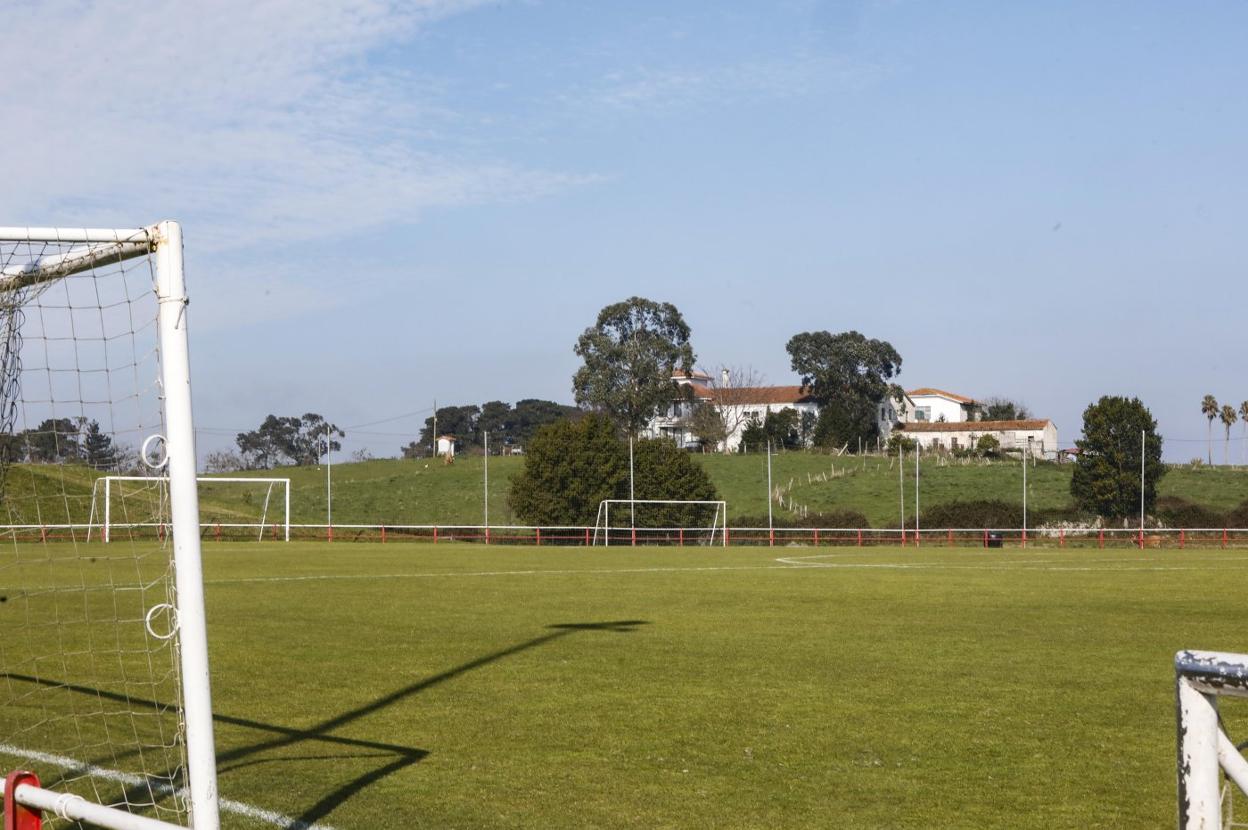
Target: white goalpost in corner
<point>719,518</point>
<point>94,363</point>
<point>100,515</point>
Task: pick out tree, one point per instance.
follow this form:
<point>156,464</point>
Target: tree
<point>849,375</point>
<point>1106,480</point>
<point>223,461</point>
<point>630,355</point>
<point>569,468</point>
<point>97,447</point>
<point>54,440</point>
<point>661,470</point>
<point>988,445</point>
<point>754,436</point>
<point>707,425</point>
<point>460,421</point>
<point>1243,417</point>
<point>1004,409</point>
<point>783,429</point>
<point>1228,417</point>
<point>300,440</point>
<point>725,395</point>
<point>1209,408</point>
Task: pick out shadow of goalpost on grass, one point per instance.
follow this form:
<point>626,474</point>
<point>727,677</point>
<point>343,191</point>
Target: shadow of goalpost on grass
<point>320,734</point>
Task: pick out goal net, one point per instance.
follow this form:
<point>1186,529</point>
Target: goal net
<point>103,652</point>
<point>229,507</point>
<point>660,521</point>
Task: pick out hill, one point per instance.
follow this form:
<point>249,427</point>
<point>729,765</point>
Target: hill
<point>424,491</point>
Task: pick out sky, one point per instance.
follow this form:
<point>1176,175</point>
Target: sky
<point>386,203</point>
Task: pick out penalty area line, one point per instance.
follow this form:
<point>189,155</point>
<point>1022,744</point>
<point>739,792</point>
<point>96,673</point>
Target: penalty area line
<point>131,780</point>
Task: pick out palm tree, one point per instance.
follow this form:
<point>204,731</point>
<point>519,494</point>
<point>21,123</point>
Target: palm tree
<point>1209,408</point>
<point>1243,416</point>
<point>1228,417</point>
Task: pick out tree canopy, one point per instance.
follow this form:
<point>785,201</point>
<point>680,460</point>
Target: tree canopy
<point>630,355</point>
<point>1004,409</point>
<point>849,375</point>
<point>1106,480</point>
<point>571,466</point>
<point>505,423</point>
<point>298,440</point>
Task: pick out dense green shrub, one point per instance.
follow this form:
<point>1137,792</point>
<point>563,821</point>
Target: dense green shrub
<point>830,518</point>
<point>1174,511</point>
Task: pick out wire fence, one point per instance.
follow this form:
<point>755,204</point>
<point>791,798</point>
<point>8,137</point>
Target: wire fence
<point>588,536</point>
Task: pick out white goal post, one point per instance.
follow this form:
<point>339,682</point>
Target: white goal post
<point>94,361</point>
<point>718,525</point>
<point>100,514</point>
<point>1204,750</point>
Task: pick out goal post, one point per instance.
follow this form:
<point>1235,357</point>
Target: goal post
<point>1204,750</point>
<point>714,530</point>
<point>94,363</point>
<point>107,490</point>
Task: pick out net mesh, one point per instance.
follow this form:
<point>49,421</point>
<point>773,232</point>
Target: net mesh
<point>89,686</point>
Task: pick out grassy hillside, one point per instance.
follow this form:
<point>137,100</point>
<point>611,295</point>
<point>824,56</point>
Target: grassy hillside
<point>423,491</point>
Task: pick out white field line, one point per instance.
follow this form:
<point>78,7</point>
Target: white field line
<point>784,563</point>
<point>131,780</point>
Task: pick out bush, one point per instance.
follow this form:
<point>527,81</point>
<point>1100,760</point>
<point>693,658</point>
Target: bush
<point>1238,517</point>
<point>988,445</point>
<point>571,466</point>
<point>1179,512</point>
<point>975,514</point>
<point>830,518</point>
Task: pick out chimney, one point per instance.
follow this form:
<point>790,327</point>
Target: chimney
<point>724,380</point>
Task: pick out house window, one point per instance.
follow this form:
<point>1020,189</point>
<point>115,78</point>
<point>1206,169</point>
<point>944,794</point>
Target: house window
<point>922,413</point>
<point>953,443</point>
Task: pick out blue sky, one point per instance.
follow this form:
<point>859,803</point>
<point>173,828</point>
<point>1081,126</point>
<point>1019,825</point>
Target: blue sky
<point>386,203</point>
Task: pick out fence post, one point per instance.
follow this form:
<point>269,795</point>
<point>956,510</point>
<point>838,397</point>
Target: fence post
<point>1141,538</point>
<point>586,537</point>
<point>329,532</point>
<point>435,534</point>
<point>383,534</point>
<point>985,537</point>
<point>487,534</point>
<point>1024,537</point>
<point>1181,539</point>
<point>1224,538</point>
<point>1061,538</point>
<point>1100,538</point>
<point>771,537</point>
<point>538,536</point>
<point>903,537</point>
<point>682,537</point>
<point>949,537</point>
<point>217,531</point>
<point>633,537</point>
<point>43,533</point>
<point>859,537</point>
<point>816,537</point>
<point>726,538</point>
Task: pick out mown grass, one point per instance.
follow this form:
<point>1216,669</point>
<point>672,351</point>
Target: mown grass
<point>461,686</point>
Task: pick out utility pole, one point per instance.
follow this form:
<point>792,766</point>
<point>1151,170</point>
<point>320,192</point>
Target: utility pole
<point>901,483</point>
<point>486,437</point>
<point>433,439</point>
<point>770,526</point>
<point>1141,488</point>
<point>917,447</point>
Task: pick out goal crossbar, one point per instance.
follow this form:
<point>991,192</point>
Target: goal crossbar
<point>719,519</point>
<point>105,512</point>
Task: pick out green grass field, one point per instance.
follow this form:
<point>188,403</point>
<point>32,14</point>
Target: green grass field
<point>424,492</point>
<point>464,686</point>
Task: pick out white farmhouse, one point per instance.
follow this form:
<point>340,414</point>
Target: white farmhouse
<point>926,405</point>
<point>737,406</point>
<point>1034,438</point>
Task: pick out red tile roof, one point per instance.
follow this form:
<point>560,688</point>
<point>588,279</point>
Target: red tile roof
<point>974,426</point>
<point>748,395</point>
<point>927,390</point>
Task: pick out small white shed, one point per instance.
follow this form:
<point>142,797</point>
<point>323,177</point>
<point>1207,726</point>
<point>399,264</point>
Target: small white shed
<point>446,445</point>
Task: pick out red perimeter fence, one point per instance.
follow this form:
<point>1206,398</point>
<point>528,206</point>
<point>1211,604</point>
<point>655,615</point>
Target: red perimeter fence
<point>674,537</point>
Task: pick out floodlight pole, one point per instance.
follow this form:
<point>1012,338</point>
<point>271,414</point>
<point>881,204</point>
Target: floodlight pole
<point>329,486</point>
<point>1025,491</point>
<point>917,447</point>
<point>632,495</point>
<point>770,526</point>
<point>1141,488</point>
<point>901,484</point>
<point>487,485</point>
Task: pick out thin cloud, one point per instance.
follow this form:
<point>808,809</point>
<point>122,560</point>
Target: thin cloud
<point>254,121</point>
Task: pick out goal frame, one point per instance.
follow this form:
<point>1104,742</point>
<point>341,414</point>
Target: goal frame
<point>1204,750</point>
<point>718,522</point>
<point>162,241</point>
<point>106,524</point>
